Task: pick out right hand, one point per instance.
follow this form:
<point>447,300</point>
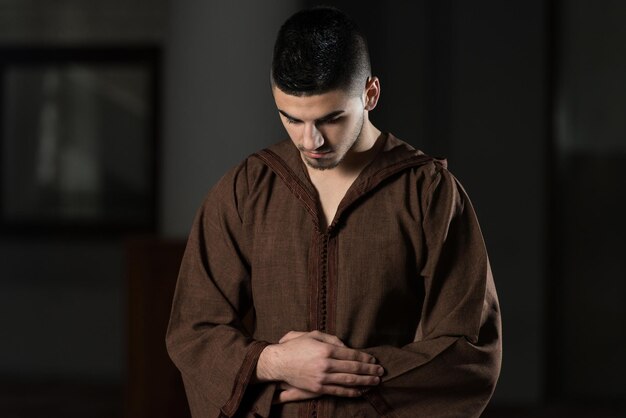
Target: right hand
<point>319,363</point>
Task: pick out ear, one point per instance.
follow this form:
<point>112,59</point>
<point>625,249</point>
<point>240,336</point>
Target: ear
<point>372,93</point>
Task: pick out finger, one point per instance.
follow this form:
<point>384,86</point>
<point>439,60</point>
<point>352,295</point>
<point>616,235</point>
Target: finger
<point>287,386</point>
<point>327,338</point>
<point>337,390</point>
<point>348,379</point>
<point>294,394</point>
<point>290,336</point>
<point>353,367</point>
<point>345,353</point>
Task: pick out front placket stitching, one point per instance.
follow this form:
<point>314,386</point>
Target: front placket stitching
<point>320,313</point>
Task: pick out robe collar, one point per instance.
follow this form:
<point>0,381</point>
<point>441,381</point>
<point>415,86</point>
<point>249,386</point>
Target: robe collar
<point>394,156</point>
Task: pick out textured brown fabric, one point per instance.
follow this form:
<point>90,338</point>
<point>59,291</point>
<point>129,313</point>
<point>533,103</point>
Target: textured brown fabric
<point>401,273</point>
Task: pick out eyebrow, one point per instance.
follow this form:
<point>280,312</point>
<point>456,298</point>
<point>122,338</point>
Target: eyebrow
<point>324,118</point>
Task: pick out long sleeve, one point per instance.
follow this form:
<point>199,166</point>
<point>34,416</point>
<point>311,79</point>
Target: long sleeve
<point>206,337</point>
<point>451,368</point>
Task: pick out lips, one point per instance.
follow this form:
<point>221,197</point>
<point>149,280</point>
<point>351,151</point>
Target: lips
<point>316,154</point>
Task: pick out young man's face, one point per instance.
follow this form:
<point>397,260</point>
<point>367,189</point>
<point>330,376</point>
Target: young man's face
<point>324,127</point>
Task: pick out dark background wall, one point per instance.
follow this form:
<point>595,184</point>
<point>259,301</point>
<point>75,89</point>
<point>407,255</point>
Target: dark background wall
<point>589,202</point>
<point>62,303</point>
<point>487,84</point>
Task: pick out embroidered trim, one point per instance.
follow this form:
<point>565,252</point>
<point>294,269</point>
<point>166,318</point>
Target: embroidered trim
<point>323,256</point>
<point>331,285</point>
<point>377,401</point>
<point>280,167</point>
<point>313,274</point>
<point>375,179</point>
<point>244,374</point>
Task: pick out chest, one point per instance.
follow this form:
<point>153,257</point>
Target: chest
<point>365,272</point>
<point>330,193</point>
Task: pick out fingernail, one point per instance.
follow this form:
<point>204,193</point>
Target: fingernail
<point>381,371</point>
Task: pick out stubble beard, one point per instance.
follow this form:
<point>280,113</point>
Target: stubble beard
<point>333,164</point>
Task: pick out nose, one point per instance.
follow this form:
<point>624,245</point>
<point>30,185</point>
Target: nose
<point>312,138</point>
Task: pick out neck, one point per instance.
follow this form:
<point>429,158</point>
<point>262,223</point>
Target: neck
<point>363,150</point>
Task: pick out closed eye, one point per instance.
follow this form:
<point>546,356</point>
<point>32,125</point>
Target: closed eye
<point>330,121</point>
<point>330,118</point>
<point>292,121</point>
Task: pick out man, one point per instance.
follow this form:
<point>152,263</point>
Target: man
<point>358,258</point>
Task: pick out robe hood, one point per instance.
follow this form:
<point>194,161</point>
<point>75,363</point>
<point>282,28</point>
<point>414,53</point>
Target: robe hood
<point>393,157</point>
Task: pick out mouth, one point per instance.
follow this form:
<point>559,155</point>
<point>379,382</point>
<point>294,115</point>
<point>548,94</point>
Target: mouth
<point>316,154</point>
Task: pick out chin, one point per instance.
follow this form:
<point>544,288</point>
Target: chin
<point>321,165</point>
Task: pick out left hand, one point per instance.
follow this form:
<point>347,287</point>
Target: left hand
<point>288,393</point>
<point>291,393</point>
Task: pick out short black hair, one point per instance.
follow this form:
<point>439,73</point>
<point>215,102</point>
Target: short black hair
<point>318,50</point>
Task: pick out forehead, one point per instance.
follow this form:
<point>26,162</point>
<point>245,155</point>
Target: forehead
<point>314,106</point>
